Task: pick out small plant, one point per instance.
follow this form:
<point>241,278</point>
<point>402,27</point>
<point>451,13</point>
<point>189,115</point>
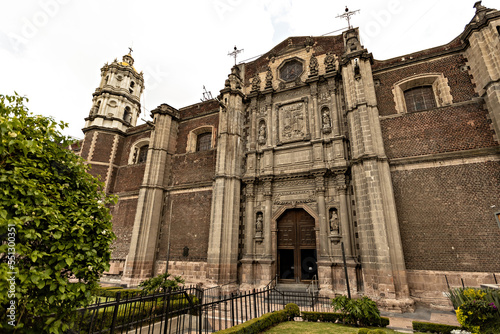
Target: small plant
<point>363,311</point>
<point>160,282</point>
<point>292,310</point>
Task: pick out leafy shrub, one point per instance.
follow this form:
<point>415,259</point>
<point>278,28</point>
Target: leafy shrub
<point>293,311</point>
<point>259,324</point>
<point>321,316</point>
<point>160,283</point>
<point>376,331</point>
<point>363,311</point>
<point>432,328</point>
<point>363,331</point>
<point>479,316</point>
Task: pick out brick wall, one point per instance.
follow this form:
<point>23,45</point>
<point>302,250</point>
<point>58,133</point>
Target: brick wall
<point>440,130</point>
<point>187,126</point>
<point>446,217</point>
<point>462,89</point>
<point>190,226</point>
<point>123,221</point>
<point>129,178</point>
<point>99,171</point>
<point>103,147</point>
<point>193,167</point>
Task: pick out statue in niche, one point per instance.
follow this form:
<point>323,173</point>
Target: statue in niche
<point>326,119</point>
<point>262,133</point>
<point>259,224</point>
<point>330,62</point>
<point>313,66</point>
<point>334,222</point>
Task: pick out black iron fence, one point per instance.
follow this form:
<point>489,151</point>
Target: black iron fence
<point>189,310</point>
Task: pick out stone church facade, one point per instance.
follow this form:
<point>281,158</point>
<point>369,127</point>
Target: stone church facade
<point>313,147</point>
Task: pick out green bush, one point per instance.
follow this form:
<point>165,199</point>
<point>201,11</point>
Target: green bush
<point>111,293</point>
<point>376,331</point>
<point>293,311</point>
<point>363,331</point>
<point>259,324</point>
<point>321,316</point>
<point>363,311</point>
<point>432,328</point>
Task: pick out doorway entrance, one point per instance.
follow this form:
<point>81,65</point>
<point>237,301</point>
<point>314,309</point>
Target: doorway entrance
<point>296,247</point>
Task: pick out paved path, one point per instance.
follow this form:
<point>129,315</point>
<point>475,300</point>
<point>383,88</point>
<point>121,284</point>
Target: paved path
<point>402,322</point>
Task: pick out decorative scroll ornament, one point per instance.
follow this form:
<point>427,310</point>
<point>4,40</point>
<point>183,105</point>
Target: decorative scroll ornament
<point>313,66</point>
<point>256,83</point>
<point>330,62</point>
<point>269,78</point>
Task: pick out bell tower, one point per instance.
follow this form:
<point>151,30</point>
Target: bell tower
<point>116,102</point>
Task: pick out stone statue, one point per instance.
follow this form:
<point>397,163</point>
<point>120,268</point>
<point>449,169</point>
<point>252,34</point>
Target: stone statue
<point>259,223</point>
<point>326,119</point>
<point>334,223</point>
<point>262,133</point>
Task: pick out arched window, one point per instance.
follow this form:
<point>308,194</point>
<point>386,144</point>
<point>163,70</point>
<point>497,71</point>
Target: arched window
<point>204,142</point>
<point>201,139</point>
<point>142,155</point>
<point>419,98</point>
<point>422,92</point>
<point>131,88</point>
<point>127,115</point>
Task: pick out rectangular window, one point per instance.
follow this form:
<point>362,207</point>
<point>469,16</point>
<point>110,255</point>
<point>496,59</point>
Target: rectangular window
<point>419,98</point>
<point>204,142</point>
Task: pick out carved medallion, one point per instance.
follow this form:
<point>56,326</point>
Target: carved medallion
<point>293,122</point>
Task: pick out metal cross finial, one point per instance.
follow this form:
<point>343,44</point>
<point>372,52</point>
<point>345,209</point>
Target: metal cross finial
<point>235,53</point>
<point>130,52</point>
<point>347,15</point>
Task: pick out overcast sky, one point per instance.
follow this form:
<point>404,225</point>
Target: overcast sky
<point>52,50</point>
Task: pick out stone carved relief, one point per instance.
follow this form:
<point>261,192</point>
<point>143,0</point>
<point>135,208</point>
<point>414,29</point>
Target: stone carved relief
<point>256,83</point>
<point>313,66</point>
<point>295,197</point>
<point>309,43</point>
<point>330,62</point>
<point>293,121</point>
<point>269,78</point>
<point>293,183</point>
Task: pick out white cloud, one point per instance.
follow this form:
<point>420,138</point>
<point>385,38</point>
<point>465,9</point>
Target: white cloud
<point>52,50</point>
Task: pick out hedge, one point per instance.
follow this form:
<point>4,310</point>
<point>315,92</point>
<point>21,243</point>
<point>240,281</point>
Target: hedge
<point>263,322</point>
<point>336,317</point>
<point>432,328</point>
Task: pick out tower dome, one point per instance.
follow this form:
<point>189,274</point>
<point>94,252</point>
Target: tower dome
<point>116,102</point>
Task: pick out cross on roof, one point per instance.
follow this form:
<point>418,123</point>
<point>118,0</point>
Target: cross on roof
<point>235,53</point>
<point>347,15</point>
<point>130,51</point>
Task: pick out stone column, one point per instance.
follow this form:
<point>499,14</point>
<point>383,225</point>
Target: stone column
<point>250,219</point>
<point>141,256</point>
<point>323,230</point>
<point>344,215</point>
<point>222,255</point>
<point>268,216</point>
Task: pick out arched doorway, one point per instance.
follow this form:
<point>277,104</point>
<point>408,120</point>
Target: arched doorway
<point>296,246</point>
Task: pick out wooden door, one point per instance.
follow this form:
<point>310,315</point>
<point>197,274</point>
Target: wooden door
<point>296,246</point>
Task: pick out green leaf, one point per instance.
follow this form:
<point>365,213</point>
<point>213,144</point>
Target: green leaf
<point>69,261</point>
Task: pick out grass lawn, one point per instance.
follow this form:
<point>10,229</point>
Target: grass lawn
<point>299,327</point>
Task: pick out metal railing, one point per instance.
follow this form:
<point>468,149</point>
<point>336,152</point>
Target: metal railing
<point>188,310</point>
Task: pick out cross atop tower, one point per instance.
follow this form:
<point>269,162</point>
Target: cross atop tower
<point>347,15</point>
<point>235,53</point>
<point>130,50</point>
